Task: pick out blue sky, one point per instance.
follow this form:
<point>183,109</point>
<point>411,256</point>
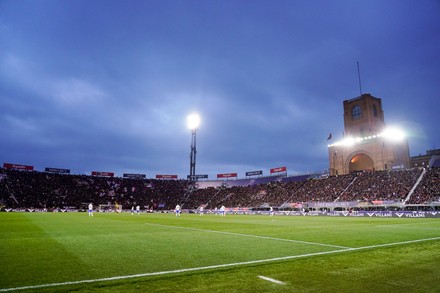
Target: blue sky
<point>107,85</point>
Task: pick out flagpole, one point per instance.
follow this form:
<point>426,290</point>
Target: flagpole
<point>359,76</point>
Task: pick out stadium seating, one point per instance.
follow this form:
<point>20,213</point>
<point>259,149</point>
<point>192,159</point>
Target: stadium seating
<point>51,191</point>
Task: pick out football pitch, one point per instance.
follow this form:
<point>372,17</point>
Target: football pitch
<point>64,252</point>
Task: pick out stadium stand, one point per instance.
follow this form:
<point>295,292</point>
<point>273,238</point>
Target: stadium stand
<point>381,185</point>
<point>428,191</point>
<point>435,162</point>
<point>52,191</point>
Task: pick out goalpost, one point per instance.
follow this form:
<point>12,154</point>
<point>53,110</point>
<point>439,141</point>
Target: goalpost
<point>108,207</point>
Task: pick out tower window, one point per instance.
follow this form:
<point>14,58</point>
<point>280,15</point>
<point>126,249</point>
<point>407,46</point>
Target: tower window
<point>356,112</point>
<point>374,111</point>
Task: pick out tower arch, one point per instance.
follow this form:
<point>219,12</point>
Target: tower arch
<point>360,161</point>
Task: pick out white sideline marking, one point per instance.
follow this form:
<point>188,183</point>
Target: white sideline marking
<point>250,235</point>
<point>216,266</point>
<point>272,280</point>
<point>405,226</point>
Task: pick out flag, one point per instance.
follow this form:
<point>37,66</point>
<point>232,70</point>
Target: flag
<point>329,136</point>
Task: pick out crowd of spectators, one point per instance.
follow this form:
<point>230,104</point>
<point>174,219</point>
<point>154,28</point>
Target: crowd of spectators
<point>322,190</point>
<point>381,186</point>
<point>428,190</point>
<point>32,189</point>
<point>44,190</point>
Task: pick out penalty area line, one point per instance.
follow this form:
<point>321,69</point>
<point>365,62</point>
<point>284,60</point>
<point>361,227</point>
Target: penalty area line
<point>272,280</point>
<point>249,235</point>
<point>216,266</point>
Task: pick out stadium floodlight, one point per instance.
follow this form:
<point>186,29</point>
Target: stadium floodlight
<point>390,133</point>
<point>394,134</point>
<point>193,124</point>
<point>348,141</point>
<point>193,121</point>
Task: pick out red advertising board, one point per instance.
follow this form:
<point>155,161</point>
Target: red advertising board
<point>103,174</point>
<point>18,167</point>
<point>227,175</point>
<point>166,176</point>
<point>278,170</point>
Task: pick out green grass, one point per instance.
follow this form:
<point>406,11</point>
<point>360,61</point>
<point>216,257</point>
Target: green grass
<point>155,252</point>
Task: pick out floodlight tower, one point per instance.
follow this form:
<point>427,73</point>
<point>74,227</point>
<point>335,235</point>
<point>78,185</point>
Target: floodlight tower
<point>193,125</point>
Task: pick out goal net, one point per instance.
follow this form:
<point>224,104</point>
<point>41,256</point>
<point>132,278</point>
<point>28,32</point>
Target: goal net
<point>104,208</point>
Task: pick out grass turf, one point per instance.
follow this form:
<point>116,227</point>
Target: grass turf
<point>160,252</point>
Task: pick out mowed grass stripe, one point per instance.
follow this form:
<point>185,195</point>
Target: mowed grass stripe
<point>28,250</point>
<point>75,246</point>
<point>120,245</point>
<point>216,266</point>
<point>249,235</point>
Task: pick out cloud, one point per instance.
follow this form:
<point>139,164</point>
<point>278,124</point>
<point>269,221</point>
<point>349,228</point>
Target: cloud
<point>76,92</point>
<point>110,86</point>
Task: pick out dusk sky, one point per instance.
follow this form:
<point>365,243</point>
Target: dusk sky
<point>107,85</point>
